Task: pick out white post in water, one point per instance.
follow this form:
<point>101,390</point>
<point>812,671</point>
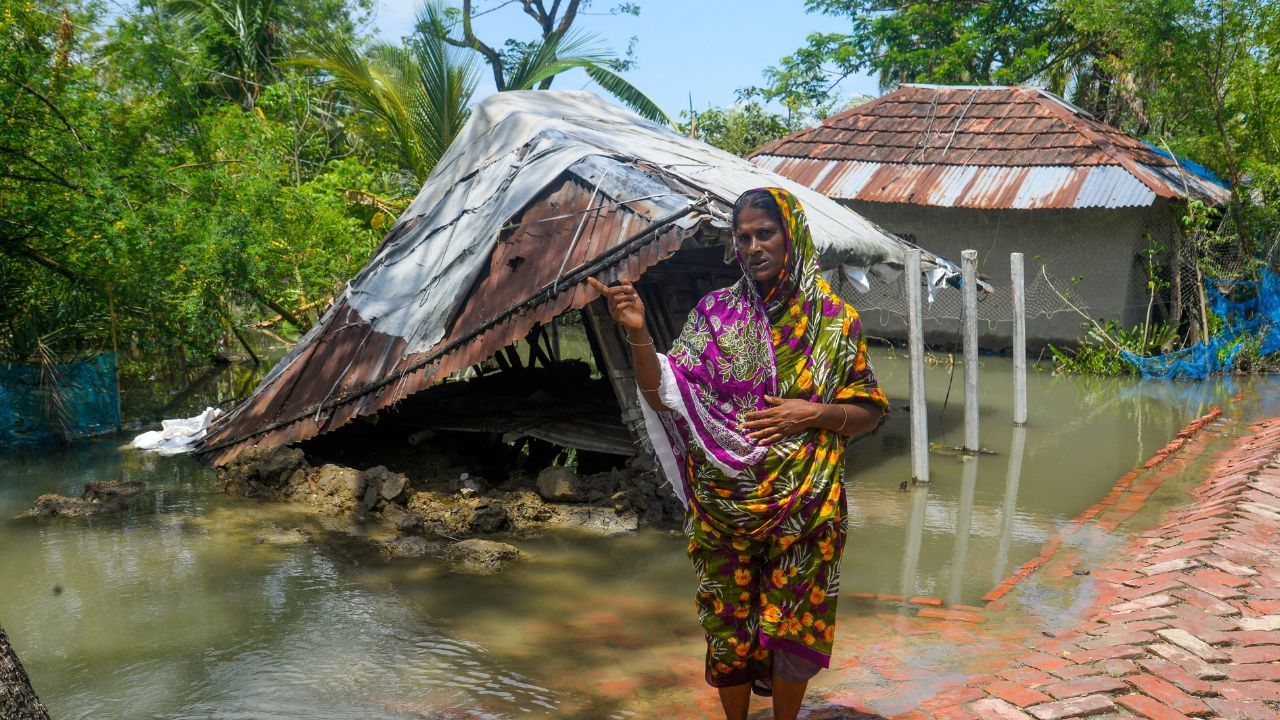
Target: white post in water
<point>1019,340</point>
<point>915,349</point>
<point>969,267</point>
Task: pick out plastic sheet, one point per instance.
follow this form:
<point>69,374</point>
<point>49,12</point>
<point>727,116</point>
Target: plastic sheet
<point>176,436</point>
<point>1250,311</point>
<point>59,403</point>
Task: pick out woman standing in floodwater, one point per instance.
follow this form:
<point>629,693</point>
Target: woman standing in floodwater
<point>749,414</point>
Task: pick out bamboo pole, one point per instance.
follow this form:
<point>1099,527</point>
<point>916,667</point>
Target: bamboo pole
<point>915,341</point>
<point>969,266</point>
<point>1016,271</point>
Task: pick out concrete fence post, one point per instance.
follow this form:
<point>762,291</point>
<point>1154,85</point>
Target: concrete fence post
<point>969,268</point>
<point>1017,293</point>
<point>915,349</point>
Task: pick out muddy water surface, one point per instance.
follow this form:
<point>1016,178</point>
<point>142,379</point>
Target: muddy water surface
<point>176,609</point>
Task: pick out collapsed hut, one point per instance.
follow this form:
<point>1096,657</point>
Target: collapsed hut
<point>1003,169</point>
<point>452,325</point>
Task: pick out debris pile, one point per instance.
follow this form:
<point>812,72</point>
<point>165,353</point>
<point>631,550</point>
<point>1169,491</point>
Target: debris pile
<point>437,510</point>
<point>97,498</point>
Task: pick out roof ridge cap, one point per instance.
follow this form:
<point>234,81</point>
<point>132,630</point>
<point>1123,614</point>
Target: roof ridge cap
<point>939,86</point>
<point>824,123</point>
<point>1064,112</point>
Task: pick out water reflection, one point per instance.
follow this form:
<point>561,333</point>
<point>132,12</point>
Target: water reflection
<point>979,517</point>
<point>964,519</point>
<point>177,610</point>
<point>1016,448</point>
<point>915,540</point>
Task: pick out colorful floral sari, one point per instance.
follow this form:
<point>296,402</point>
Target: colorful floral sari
<point>766,524</point>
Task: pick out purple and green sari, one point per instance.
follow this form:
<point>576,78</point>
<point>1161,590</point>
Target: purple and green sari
<point>766,524</point>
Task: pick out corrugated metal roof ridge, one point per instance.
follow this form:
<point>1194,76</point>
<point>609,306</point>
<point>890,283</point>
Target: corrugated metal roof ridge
<point>935,86</point>
<point>1075,128</point>
<point>947,105</point>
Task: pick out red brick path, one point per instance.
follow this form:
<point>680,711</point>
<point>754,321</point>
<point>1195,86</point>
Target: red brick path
<point>1185,625</point>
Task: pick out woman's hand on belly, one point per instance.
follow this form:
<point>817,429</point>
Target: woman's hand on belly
<point>784,417</point>
<point>791,417</point>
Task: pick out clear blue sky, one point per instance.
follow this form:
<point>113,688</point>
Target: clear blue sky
<point>704,48</point>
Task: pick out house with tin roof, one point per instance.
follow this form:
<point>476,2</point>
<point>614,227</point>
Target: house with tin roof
<point>1004,169</point>
<point>451,327</point>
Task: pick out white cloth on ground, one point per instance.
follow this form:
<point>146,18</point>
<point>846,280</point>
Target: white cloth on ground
<point>176,436</point>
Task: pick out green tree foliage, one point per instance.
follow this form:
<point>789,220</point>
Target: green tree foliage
<point>1205,79</point>
<point>740,130</point>
<point>422,92</point>
<point>947,41</point>
<point>525,65</point>
<point>173,181</point>
<point>162,221</point>
<point>243,39</point>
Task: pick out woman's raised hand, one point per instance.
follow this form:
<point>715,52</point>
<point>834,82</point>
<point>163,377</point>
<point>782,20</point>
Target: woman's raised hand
<point>624,304</point>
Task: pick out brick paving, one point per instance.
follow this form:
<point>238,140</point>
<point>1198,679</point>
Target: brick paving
<point>1187,624</point>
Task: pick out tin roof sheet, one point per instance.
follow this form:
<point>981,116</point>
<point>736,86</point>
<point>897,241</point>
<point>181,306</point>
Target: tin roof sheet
<point>980,147</point>
<point>541,190</point>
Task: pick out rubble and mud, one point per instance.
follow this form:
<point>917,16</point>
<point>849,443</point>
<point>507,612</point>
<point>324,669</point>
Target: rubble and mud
<point>97,498</point>
<point>438,508</point>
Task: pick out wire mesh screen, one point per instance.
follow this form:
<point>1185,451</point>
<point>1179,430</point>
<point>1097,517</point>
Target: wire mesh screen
<point>1113,264</point>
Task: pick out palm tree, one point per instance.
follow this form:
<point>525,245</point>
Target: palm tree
<point>423,92</point>
<point>560,53</point>
<point>243,41</point>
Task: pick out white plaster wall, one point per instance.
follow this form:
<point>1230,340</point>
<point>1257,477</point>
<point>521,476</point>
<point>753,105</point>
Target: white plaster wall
<point>1099,248</point>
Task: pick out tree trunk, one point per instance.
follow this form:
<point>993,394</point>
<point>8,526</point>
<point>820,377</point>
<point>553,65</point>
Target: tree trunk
<point>18,700</point>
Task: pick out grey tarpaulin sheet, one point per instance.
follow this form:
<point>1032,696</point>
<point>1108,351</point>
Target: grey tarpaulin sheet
<point>512,148</point>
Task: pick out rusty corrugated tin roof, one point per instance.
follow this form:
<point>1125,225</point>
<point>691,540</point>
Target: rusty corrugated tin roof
<point>348,369</point>
<point>980,147</point>
<point>542,190</point>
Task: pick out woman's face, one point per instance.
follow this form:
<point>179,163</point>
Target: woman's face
<point>761,243</point>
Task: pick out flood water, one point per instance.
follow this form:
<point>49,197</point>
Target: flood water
<point>176,610</point>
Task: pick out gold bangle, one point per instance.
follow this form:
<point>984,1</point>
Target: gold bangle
<point>844,412</point>
<point>636,344</point>
<point>645,389</point>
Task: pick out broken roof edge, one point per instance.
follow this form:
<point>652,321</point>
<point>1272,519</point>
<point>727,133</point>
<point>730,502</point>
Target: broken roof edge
<point>515,144</point>
<point>283,409</point>
<point>217,451</point>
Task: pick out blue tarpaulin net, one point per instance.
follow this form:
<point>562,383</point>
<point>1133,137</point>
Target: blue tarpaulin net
<point>87,403</point>
<point>1250,313</point>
